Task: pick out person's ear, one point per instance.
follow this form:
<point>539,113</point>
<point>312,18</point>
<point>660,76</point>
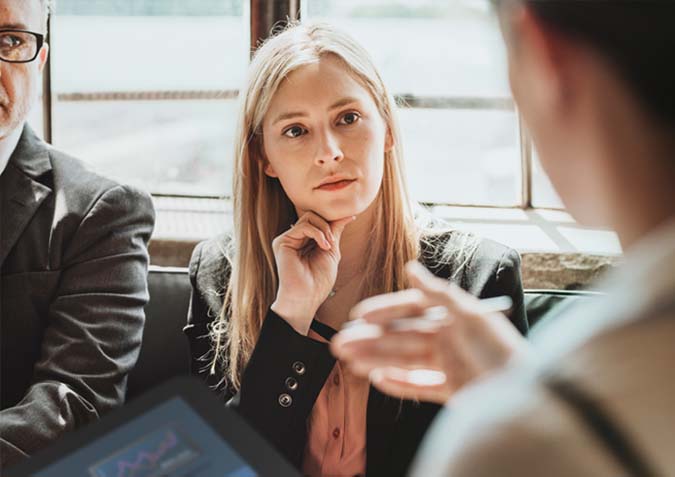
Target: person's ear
<point>258,150</point>
<point>42,56</point>
<point>269,170</point>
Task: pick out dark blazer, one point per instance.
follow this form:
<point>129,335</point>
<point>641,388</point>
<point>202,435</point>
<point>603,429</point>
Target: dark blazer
<point>73,261</point>
<point>394,427</point>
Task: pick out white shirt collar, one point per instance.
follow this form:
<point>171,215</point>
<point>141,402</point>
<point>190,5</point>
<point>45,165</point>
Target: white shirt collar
<point>8,145</point>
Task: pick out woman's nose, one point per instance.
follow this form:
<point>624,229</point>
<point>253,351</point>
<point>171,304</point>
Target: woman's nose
<point>329,150</point>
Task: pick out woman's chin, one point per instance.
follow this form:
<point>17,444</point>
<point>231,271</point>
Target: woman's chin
<point>334,212</point>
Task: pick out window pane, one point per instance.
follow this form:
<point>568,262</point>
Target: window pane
<point>149,46</point>
<point>35,117</point>
<point>142,45</point>
<point>461,157</point>
<point>543,193</point>
<point>445,50</point>
<point>426,47</point>
<point>166,147</point>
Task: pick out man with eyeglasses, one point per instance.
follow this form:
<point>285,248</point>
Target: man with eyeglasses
<point>73,264</point>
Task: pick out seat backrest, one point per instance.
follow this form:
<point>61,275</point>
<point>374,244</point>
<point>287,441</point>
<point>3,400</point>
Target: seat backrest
<point>542,306</point>
<point>164,352</point>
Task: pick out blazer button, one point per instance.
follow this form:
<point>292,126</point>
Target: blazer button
<point>291,384</point>
<point>285,400</point>
<point>299,368</point>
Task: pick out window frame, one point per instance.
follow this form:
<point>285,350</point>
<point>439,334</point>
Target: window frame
<point>264,16</point>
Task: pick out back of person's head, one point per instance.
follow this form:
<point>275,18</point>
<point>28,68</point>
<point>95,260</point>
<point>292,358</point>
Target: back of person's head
<point>262,209</point>
<point>636,36</point>
<point>593,80</point>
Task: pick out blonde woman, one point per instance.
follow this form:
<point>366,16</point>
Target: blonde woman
<point>321,220</point>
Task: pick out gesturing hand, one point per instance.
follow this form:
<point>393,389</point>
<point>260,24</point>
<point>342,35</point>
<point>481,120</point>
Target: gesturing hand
<point>307,257</point>
<point>432,362</point>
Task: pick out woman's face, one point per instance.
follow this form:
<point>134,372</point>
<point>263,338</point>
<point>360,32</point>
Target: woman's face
<point>324,139</point>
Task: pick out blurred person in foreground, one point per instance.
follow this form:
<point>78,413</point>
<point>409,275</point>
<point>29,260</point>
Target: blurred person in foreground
<point>73,264</point>
<point>592,393</point>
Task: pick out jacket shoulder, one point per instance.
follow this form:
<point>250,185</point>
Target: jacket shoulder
<point>82,187</point>
<point>210,270</point>
<point>461,256</point>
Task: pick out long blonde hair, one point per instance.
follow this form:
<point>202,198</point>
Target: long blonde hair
<point>262,209</point>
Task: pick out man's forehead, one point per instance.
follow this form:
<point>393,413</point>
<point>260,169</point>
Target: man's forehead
<point>21,14</point>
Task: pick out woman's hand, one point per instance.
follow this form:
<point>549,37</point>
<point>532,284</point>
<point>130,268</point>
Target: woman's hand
<point>428,363</point>
<point>307,257</point>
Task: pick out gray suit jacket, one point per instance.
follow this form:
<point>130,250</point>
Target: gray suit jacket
<point>73,266</point>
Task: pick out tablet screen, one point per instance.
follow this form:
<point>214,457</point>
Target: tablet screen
<point>171,440</point>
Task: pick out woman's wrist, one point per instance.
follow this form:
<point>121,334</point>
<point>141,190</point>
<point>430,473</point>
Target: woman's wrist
<point>298,314</point>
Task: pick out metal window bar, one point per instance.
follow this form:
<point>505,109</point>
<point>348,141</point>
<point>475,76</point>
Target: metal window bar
<point>47,130</point>
<point>403,100</point>
<point>525,165</point>
<point>268,15</point>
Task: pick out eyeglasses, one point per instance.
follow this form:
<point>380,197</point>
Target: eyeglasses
<point>20,46</point>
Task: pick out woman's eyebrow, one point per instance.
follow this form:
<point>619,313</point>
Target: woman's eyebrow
<point>299,114</point>
<point>289,115</point>
<point>343,102</point>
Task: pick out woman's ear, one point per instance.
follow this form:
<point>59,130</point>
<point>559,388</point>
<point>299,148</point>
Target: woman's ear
<point>259,148</point>
<point>269,170</point>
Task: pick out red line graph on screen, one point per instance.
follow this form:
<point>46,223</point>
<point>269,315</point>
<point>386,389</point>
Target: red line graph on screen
<point>147,459</point>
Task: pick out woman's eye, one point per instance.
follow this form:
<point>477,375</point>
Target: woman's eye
<point>294,131</point>
<point>349,118</point>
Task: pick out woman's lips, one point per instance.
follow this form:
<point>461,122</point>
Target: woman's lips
<point>337,185</point>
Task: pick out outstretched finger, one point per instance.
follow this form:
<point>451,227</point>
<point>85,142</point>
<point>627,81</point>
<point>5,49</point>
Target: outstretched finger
<point>382,309</point>
<point>439,291</point>
<point>414,349</point>
<point>420,384</point>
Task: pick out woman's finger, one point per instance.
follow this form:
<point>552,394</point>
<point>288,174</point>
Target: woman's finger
<point>438,291</point>
<point>317,221</point>
<point>302,231</point>
<point>338,226</point>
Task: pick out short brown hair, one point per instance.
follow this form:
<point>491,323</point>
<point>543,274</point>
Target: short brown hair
<point>47,9</point>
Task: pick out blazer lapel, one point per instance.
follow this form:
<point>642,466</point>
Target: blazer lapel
<point>380,422</point>
<point>22,192</point>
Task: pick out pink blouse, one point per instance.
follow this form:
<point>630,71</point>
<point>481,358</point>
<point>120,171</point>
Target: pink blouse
<point>336,434</point>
